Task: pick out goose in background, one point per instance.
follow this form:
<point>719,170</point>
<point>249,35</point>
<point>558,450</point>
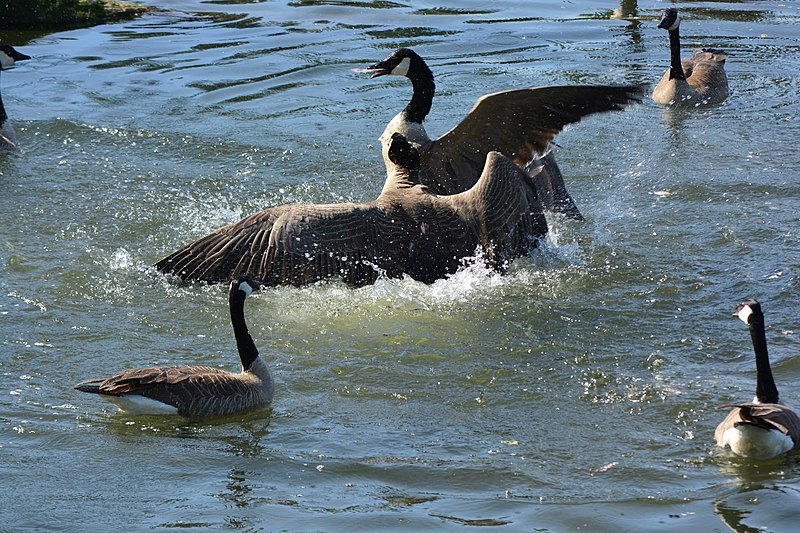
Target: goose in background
<point>694,81</point>
<point>520,124</point>
<point>8,140</point>
<point>195,391</point>
<point>764,428</point>
<point>406,230</point>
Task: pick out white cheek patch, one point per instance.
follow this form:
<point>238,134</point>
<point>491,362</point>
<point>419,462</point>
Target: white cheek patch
<point>744,314</point>
<point>244,286</point>
<point>6,60</point>
<point>402,68</point>
<point>676,23</point>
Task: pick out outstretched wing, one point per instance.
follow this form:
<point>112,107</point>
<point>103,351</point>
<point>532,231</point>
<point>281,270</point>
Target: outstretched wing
<point>519,124</point>
<point>298,245</point>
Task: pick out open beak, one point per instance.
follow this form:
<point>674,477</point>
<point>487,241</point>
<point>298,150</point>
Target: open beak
<point>380,69</point>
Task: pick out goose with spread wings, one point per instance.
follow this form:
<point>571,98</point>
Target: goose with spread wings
<point>406,230</point>
<point>519,123</point>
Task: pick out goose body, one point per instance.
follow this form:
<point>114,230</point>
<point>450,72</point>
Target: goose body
<point>8,139</point>
<point>518,123</point>
<point>763,428</point>
<point>693,81</point>
<point>406,230</point>
<point>194,391</point>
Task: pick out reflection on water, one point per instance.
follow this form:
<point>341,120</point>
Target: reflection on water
<point>629,11</point>
<point>578,391</point>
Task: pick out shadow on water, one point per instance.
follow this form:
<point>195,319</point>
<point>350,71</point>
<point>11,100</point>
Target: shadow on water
<point>758,493</point>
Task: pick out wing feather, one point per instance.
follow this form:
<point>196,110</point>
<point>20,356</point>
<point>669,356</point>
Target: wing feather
<point>766,415</point>
<point>519,124</point>
<point>296,244</point>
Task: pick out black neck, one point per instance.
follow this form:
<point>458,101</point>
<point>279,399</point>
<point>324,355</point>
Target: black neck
<point>766,391</point>
<point>422,99</point>
<point>244,342</point>
<point>675,69</point>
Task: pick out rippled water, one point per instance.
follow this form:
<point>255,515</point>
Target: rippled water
<point>576,393</point>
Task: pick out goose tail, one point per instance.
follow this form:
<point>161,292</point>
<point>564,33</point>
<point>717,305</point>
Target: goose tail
<point>92,385</point>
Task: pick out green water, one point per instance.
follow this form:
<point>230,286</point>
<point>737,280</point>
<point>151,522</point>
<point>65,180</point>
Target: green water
<point>576,393</point>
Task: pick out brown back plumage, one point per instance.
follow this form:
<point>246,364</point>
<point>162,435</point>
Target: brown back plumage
<point>706,81</point>
<point>767,415</point>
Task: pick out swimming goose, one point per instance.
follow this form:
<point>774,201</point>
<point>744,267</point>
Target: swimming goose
<point>406,230</point>
<point>195,391</point>
<point>8,140</point>
<point>518,123</point>
<point>764,428</point>
<point>697,80</point>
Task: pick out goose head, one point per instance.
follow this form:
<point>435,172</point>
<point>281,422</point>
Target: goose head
<point>749,312</point>
<point>243,284</point>
<point>9,56</point>
<point>402,164</point>
<point>402,62</point>
<point>402,153</point>
<point>670,20</point>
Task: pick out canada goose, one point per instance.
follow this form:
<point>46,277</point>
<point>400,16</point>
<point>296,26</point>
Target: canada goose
<point>195,391</point>
<point>8,140</point>
<point>406,230</point>
<point>518,123</point>
<point>764,428</point>
<point>697,80</point>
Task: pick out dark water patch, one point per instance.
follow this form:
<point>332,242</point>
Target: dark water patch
<point>131,35</point>
<point>213,46</point>
<point>228,20</point>
<point>374,4</point>
<point>475,522</point>
<point>503,21</point>
<point>453,11</point>
<point>234,2</point>
<point>734,15</point>
<point>406,33</point>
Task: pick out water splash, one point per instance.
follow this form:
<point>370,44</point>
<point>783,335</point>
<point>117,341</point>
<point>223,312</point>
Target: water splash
<point>121,259</point>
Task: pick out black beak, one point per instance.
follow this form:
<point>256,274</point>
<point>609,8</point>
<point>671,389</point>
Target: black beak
<point>17,56</point>
<point>381,68</point>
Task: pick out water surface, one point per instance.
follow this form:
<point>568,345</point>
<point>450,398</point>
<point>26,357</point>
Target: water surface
<point>578,392</point>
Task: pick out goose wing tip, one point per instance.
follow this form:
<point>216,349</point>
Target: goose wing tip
<point>91,385</point>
